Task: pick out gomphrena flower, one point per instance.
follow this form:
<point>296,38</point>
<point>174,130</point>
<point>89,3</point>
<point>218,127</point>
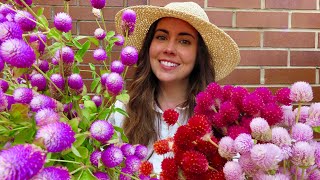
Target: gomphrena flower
<point>1,64</point>
<point>252,104</point>
<point>43,65</point>
<point>46,116</point>
<point>4,85</point>
<point>243,143</point>
<point>6,9</point>
<point>169,169</point>
<point>260,129</point>
<point>200,125</point>
<point>279,176</point>
<point>127,149</point>
<point>58,80</point>
<point>226,147</point>
<point>141,151</point>
<point>101,130</point>
<point>124,172</point>
<point>112,156</point>
<point>40,39</point>
<point>184,137</point>
<point>301,92</point>
<point>67,55</point>
<point>97,100</point>
<point>129,56</point>
<point>117,67</point>
<point>170,116</point>
<point>205,145</point>
<point>23,95</point>
<point>288,118</point>
<point>314,115</point>
<point>21,161</point>
<point>301,132</point>
<point>132,163</point>
<point>194,162</point>
<point>265,94</point>
<point>247,164</point>
<point>75,81</point>
<point>3,101</point>
<point>163,146</point>
<point>100,54</point>
<point>283,96</point>
<point>10,101</point>
<point>42,101</point>
<point>280,136</point>
<point>10,30</point>
<point>39,81</point>
<point>103,79</point>
<point>304,113</point>
<point>314,175</point>
<point>98,4</point>
<point>204,101</point>
<point>128,21</point>
<point>237,95</point>
<point>101,175</point>
<point>114,83</point>
<point>53,173</point>
<point>234,130</point>
<point>266,156</point>
<point>28,2</point>
<point>272,113</point>
<point>17,53</point>
<point>303,154</point>
<point>63,22</point>
<point>56,136</point>
<point>233,171</point>
<point>229,111</point>
<point>145,168</point>
<point>23,18</point>
<point>95,157</point>
<point>100,34</point>
<point>120,40</point>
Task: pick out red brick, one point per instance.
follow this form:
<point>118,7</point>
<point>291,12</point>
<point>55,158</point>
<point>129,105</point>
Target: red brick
<point>87,28</point>
<point>245,38</point>
<point>262,19</point>
<point>289,39</point>
<point>137,2</point>
<point>110,3</point>
<point>305,20</point>
<point>263,58</point>
<point>54,2</point>
<point>289,76</point>
<point>165,2</point>
<point>46,11</point>
<point>305,58</point>
<point>291,4</point>
<point>242,76</point>
<point>88,58</point>
<point>220,18</point>
<point>234,3</point>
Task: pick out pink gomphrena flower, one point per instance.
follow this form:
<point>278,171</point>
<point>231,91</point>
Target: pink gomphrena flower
<point>53,173</point>
<point>128,21</point>
<point>3,101</point>
<point>247,164</point>
<point>41,101</point>
<point>101,130</point>
<point>229,111</point>
<point>4,85</point>
<point>252,104</point>
<point>127,149</point>
<point>194,162</point>
<point>283,96</point>
<point>304,113</point>
<point>288,118</point>
<point>170,116</point>
<point>265,94</point>
<point>46,116</point>
<point>100,54</point>
<point>63,22</point>
<point>317,154</point>
<point>234,130</point>
<point>278,176</point>
<point>75,82</point>
<point>22,95</point>
<point>17,53</point>
<point>204,100</point>
<point>95,157</point>
<point>314,115</point>
<point>296,171</point>
<point>301,92</point>
<point>56,136</point>
<point>117,67</point>
<point>23,18</point>
<point>226,147</point>
<point>112,156</point>
<point>10,30</point>
<point>100,34</point>
<point>243,143</point>
<point>58,80</point>
<point>313,174</point>
<point>266,156</point>
<point>272,113</point>
<point>28,2</point>
<point>39,38</point>
<point>129,56</point>
<point>132,163</point>
<point>260,129</point>
<point>303,154</point>
<point>39,81</point>
<point>237,95</point>
<point>301,132</point>
<point>226,92</point>
<point>98,4</point>
<point>22,161</point>
<point>114,83</point>
<point>233,171</point>
<point>1,64</point>
<point>101,175</point>
<point>280,136</point>
<point>97,100</point>
<point>141,151</point>
<point>286,151</point>
<point>199,125</point>
<point>6,9</point>
<point>120,40</point>
<point>103,79</point>
<point>96,13</point>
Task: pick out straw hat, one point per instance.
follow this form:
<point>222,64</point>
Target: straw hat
<point>223,49</point>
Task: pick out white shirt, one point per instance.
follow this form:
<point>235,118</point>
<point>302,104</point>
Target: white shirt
<point>165,131</point>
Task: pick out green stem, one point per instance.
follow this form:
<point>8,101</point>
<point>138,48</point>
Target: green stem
<point>66,161</point>
<point>298,114</point>
<point>98,23</point>
<point>132,177</point>
<point>73,172</point>
<point>302,173</point>
<point>102,19</point>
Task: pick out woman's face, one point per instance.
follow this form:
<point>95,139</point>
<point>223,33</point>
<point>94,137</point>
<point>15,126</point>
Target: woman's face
<point>173,50</point>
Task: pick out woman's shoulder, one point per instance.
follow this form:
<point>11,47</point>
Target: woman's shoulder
<point>117,118</point>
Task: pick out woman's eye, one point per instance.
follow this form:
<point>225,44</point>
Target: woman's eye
<point>184,42</point>
<point>160,37</point>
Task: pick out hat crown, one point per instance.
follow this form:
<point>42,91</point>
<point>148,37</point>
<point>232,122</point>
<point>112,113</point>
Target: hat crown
<point>189,8</point>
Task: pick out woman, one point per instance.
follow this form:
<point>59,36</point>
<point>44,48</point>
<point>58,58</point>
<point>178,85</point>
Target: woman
<point>180,53</point>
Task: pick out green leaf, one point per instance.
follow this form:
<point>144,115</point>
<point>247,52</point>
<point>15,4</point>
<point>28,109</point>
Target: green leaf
<point>123,98</point>
<point>94,41</point>
<point>17,72</point>
<point>75,151</point>
<point>94,84</point>
<point>110,34</point>
<point>74,123</point>
<point>76,98</point>
<point>86,97</point>
<point>40,11</point>
<point>83,152</point>
<point>3,130</point>
<point>77,44</point>
<point>19,113</point>
<point>123,136</point>
<point>54,33</point>
<point>78,58</point>
<point>81,37</point>
<point>25,136</point>
<point>76,70</point>
<point>43,20</point>
<point>87,175</point>
<point>121,111</point>
<point>83,49</point>
<point>104,113</point>
<point>92,67</point>
<point>79,140</point>
<point>67,35</point>
<point>316,129</point>
<point>98,90</point>
<point>90,105</point>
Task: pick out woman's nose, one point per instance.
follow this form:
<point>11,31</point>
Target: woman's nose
<point>170,48</point>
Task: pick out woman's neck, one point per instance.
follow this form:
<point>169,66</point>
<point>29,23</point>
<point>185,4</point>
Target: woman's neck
<point>172,95</point>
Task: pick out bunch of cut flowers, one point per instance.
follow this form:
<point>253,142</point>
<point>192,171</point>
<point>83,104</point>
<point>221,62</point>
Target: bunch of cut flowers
<point>50,128</point>
<point>237,134</point>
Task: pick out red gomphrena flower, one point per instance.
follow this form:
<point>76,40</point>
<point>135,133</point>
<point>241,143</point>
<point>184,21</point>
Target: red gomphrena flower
<point>145,168</point>
<point>206,147</point>
<point>169,169</point>
<point>245,122</point>
<point>234,131</point>
<point>163,146</point>
<point>229,111</point>
<point>178,153</point>
<point>218,120</point>
<point>200,125</point>
<point>204,100</point>
<point>184,137</point>
<point>199,110</point>
<point>283,96</point>
<point>252,104</point>
<point>194,162</point>
<point>217,162</point>
<point>238,93</point>
<point>170,116</point>
<point>265,94</point>
<point>272,113</point>
<point>194,176</point>
<point>226,92</point>
<point>214,175</point>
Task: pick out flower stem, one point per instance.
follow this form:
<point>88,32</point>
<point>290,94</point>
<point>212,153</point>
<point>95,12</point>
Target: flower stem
<point>66,161</point>
<point>216,145</point>
<point>102,19</point>
<point>132,177</point>
<point>81,167</point>
<point>302,173</point>
<point>298,114</point>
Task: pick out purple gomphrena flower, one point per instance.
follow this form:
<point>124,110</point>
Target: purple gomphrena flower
<point>112,156</point>
<point>260,129</point>
<point>104,79</point>
<point>288,118</point>
<point>21,161</point>
<point>280,136</point>
<point>67,55</point>
<point>301,92</point>
<point>67,107</point>
<point>58,80</point>
<point>95,157</point>
<point>28,2</point>
<point>99,33</point>
<point>127,149</point>
<point>63,22</point>
<point>243,143</point>
<point>23,19</point>
<point>129,56</point>
<point>75,81</point>
<point>1,64</point>
<point>226,147</point>
<point>17,53</point>
<point>141,151</point>
<point>6,9</point>
<point>314,175</point>
<point>128,21</point>
<point>46,116</point>
<point>304,113</point>
<point>101,130</point>
<point>39,81</point>
<point>98,4</point>
<point>97,100</point>
<point>53,173</point>
<point>41,101</point>
<point>120,40</point>
<point>4,85</point>
<point>114,83</point>
<point>100,54</point>
<point>101,175</point>
<point>40,39</point>
<point>43,65</point>
<point>247,164</point>
<point>266,156</point>
<point>301,132</point>
<point>2,18</point>
<point>3,101</point>
<point>123,175</point>
<point>10,17</point>
<point>10,30</point>
<point>57,136</point>
<point>233,171</point>
<point>55,59</point>
<point>10,101</point>
<point>132,163</point>
<point>317,155</point>
<point>117,67</point>
<point>314,115</point>
<point>303,154</point>
<point>22,95</point>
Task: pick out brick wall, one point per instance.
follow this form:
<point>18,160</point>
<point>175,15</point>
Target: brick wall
<point>278,39</point>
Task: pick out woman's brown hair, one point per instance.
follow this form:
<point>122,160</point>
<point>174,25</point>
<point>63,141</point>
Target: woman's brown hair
<point>140,127</point>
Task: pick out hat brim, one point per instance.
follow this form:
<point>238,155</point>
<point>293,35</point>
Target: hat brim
<point>224,51</point>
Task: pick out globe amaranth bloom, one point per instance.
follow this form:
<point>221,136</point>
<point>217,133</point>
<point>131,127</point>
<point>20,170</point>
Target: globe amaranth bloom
<point>100,54</point>
<point>302,132</point>
<point>25,20</point>
<point>23,95</point>
<point>114,83</point>
<point>132,163</point>
<point>128,21</point>
<point>266,156</point>
<point>10,30</point>
<point>53,173</point>
<point>101,130</point>
<point>42,101</point>
<point>46,116</point>
<point>63,22</point>
<point>39,81</point>
<point>243,143</point>
<point>280,136</point>
<point>75,82</point>
<point>98,4</point>
<point>129,56</point>
<point>303,154</point>
<point>101,175</point>
<point>100,34</point>
<point>3,101</point>
<point>226,147</point>
<point>120,40</point>
<point>112,156</point>
<point>260,129</point>
<point>40,39</point>
<point>141,151</point>
<point>117,67</point>
<point>301,92</point>
<point>233,171</point>
<point>95,157</point>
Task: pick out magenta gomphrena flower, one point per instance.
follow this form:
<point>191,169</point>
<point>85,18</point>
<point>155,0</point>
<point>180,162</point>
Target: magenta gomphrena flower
<point>2,18</point>
<point>23,18</point>
<point>43,65</point>
<point>39,81</point>
<point>128,21</point>
<point>129,56</point>
<point>301,92</point>
<point>101,175</point>
<point>4,85</point>
<point>1,64</point>
<point>57,136</point>
<point>53,173</point>
<point>3,101</point>
<point>215,91</point>
<point>280,136</point>
<point>10,30</point>
<point>6,9</point>
<point>22,161</point>
<point>67,55</point>
<point>283,96</point>
<point>303,154</point>
<point>46,116</point>
<point>304,113</point>
<point>247,164</point>
<point>237,95</point>
<point>100,54</point>
<point>10,101</point>
<point>28,2</point>
<point>266,156</point>
<point>41,101</point>
<point>234,130</point>
<point>58,80</point>
<point>288,118</point>
<point>99,33</point>
<point>226,147</point>
<point>229,111</point>
<point>314,175</point>
<point>128,149</point>
<point>101,130</point>
<point>97,100</point>
<point>120,40</point>
<point>63,22</point>
<point>260,129</point>
<point>141,151</point>
<point>124,172</point>
<point>252,104</point>
<point>114,83</point>
<point>226,92</point>
<point>204,100</point>
<point>10,17</point>
<point>117,67</point>
<point>265,94</point>
<point>243,143</point>
<point>104,79</point>
<point>95,157</point>
<point>132,163</point>
<point>40,39</point>
<point>75,81</point>
<point>301,132</point>
<point>17,53</point>
<point>112,156</point>
<point>233,171</point>
<point>272,113</point>
<point>98,4</point>
<point>23,95</point>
